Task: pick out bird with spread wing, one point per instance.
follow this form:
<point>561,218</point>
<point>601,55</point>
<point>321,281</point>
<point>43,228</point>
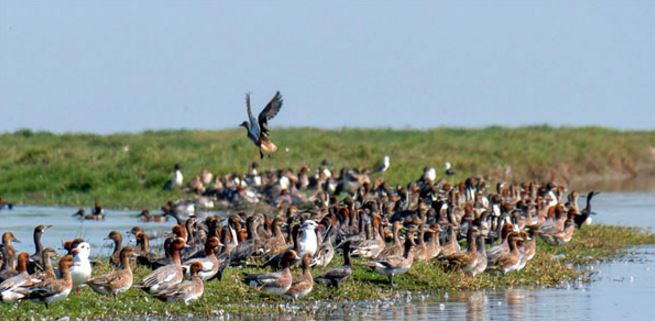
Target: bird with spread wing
<point>258,131</point>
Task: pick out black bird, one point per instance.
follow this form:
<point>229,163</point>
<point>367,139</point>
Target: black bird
<point>584,215</point>
<point>258,127</point>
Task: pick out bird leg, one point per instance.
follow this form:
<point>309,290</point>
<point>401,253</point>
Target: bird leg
<point>261,154</point>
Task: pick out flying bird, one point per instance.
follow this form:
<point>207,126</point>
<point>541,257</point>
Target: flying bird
<point>258,127</point>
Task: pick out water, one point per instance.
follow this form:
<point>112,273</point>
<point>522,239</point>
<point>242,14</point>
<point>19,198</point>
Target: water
<point>22,219</point>
<point>622,289</point>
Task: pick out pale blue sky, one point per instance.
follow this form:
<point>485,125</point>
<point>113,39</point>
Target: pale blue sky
<point>135,65</point>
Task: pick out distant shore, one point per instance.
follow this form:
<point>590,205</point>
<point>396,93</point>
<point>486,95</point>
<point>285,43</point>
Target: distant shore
<point>129,170</point>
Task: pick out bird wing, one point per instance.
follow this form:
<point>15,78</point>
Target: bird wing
<point>108,279</point>
<point>44,289</point>
<point>336,273</point>
<point>254,129</point>
<point>271,109</point>
<point>13,282</point>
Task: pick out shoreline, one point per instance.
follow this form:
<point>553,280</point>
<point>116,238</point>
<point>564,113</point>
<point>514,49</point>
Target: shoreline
<point>592,243</point>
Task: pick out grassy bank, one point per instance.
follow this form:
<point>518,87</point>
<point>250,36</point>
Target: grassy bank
<point>592,243</point>
<point>128,170</point>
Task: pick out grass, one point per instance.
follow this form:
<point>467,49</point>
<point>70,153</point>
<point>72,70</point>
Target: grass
<point>592,243</point>
<point>128,170</point>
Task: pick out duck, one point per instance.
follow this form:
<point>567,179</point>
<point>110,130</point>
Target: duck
<point>334,277</point>
<point>167,275</point>
<point>469,259</point>
<point>210,264</point>
<point>46,257</point>
<point>276,283</point>
<point>512,260</point>
<point>422,254</point>
<point>481,262</point>
<point>560,237</point>
<point>257,128</point>
<point>397,248</point>
<point>115,282</point>
<point>433,247</point>
<point>81,269</point>
<point>395,264</point>
<point>177,180</point>
<point>448,169</point>
<point>302,284</point>
<point>325,253</point>
<point>117,238</point>
<point>142,244</point>
<point>92,216</point>
<point>585,215</point>
<point>146,217</point>
<point>502,248</point>
<point>53,290</point>
<point>370,248</point>
<point>4,204</point>
<point>36,261</point>
<point>8,255</point>
<point>185,291</point>
<point>9,288</point>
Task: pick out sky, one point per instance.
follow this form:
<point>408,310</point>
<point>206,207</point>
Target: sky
<point>129,66</point>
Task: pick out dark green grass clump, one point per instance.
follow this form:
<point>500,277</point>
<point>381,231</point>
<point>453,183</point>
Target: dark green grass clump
<point>230,295</point>
<point>129,170</point>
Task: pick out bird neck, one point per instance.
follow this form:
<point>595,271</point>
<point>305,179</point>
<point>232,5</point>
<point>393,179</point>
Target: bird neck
<point>37,241</point>
<point>117,245</point>
<point>125,262</point>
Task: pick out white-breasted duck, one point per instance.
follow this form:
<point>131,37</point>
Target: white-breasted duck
<point>302,284</point>
<point>210,264</point>
<point>167,275</point>
<point>53,290</point>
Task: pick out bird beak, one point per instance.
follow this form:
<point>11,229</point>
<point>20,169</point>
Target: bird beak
<point>75,251</point>
<point>47,227</point>
<point>17,241</point>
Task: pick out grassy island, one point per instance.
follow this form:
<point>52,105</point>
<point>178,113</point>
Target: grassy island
<point>551,267</point>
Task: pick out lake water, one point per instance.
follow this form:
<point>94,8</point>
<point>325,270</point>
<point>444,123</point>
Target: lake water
<point>621,290</point>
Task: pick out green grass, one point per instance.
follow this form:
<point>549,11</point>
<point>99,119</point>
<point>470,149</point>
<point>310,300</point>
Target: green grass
<point>591,243</point>
<point>128,170</point>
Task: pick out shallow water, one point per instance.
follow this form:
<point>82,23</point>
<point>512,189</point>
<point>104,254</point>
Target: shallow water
<point>622,289</point>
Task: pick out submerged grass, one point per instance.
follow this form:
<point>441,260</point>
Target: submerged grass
<point>591,243</point>
<point>129,170</point>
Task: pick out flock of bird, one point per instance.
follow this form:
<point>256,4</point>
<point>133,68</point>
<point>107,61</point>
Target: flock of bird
<point>389,228</point>
<point>466,226</point>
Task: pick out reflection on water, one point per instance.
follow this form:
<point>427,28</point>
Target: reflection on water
<point>622,289</point>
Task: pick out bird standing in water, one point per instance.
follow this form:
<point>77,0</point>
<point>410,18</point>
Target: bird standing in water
<point>258,127</point>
